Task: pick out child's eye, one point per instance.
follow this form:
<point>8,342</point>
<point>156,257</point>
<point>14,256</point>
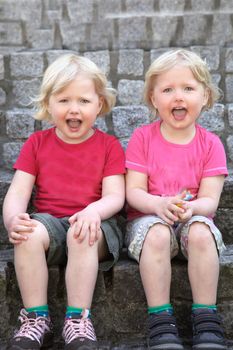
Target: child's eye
<point>167,90</point>
<point>84,100</point>
<point>63,100</point>
<point>189,88</point>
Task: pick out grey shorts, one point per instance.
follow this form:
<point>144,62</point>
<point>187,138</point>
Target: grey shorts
<point>137,229</point>
<point>57,229</point>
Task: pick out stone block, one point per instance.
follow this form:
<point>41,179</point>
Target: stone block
<point>29,64</point>
<point>224,221</point>
<point>138,6</point>
<point>220,33</point>
<point>101,59</point>
<point>229,60</point>
<point>126,119</point>
<point>213,120</point>
<point>229,108</point>
<point>72,36</point>
<point>10,153</point>
<point>130,62</point>
<point>195,27</point>
<point>230,146</point>
<point>229,88</point>
<point>131,31</point>
<point>52,55</point>
<point>2,68</point>
<point>11,33</point>
<point>200,5</point>
<point>130,92</point>
<point>2,97</point>
<point>211,54</point>
<point>164,29</point>
<point>19,123</point>
<point>80,11</point>
<point>40,38</point>
<point>25,90</point>
<point>25,10</point>
<point>108,9</point>
<point>171,7</point>
<point>101,35</point>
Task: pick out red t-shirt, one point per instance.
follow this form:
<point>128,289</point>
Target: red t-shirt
<point>69,176</point>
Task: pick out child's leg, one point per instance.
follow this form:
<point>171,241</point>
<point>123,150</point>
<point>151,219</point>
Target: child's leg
<point>155,270</point>
<point>32,275</point>
<point>31,267</point>
<point>203,264</point>
<point>82,270</point>
<point>203,269</point>
<point>155,265</point>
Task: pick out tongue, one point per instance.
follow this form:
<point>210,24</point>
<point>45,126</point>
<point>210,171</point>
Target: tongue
<point>179,113</point>
<point>73,123</point>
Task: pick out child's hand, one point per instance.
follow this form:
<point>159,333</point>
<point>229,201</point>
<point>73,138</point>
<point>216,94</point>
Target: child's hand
<point>168,210</point>
<point>21,226</point>
<point>86,222</point>
<point>188,211</point>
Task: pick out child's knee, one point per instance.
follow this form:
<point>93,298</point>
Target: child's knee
<point>200,236</point>
<point>158,237</point>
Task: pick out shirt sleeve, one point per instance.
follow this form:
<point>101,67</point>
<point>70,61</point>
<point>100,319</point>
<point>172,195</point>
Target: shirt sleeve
<point>216,163</point>
<point>115,159</point>
<point>26,160</point>
<point>135,152</point>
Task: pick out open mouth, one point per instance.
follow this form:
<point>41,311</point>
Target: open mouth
<point>73,123</point>
<point>179,113</point>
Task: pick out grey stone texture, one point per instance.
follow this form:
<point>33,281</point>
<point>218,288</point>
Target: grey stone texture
<point>122,37</point>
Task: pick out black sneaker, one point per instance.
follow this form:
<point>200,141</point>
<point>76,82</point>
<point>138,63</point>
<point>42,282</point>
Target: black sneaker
<point>162,332</point>
<point>207,330</point>
<point>34,333</point>
<point>78,333</point>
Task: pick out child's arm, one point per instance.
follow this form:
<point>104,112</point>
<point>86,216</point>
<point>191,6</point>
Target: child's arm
<point>207,200</point>
<point>16,220</point>
<point>88,220</point>
<point>138,197</point>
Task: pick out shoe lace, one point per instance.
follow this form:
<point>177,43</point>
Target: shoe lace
<point>32,328</point>
<point>78,328</point>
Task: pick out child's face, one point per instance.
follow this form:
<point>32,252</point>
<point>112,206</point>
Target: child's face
<point>75,109</point>
<point>178,98</point>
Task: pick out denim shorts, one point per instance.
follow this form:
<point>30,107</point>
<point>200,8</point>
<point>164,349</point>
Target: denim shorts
<point>137,229</point>
<point>57,229</point>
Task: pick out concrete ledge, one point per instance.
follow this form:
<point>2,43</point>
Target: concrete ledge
<point>119,306</point>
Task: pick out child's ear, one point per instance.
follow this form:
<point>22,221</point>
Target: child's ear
<point>101,102</point>
<point>206,97</point>
<point>153,100</point>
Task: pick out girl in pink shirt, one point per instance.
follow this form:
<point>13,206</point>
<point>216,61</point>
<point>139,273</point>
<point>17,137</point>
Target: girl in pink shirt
<point>175,176</point>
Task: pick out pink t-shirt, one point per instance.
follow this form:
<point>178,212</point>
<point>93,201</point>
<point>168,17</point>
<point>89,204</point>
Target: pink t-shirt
<point>69,176</point>
<point>170,167</point>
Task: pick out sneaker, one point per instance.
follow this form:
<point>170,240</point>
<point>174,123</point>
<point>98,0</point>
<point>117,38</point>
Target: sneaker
<point>163,333</point>
<point>79,333</point>
<point>207,330</point>
<point>33,333</point>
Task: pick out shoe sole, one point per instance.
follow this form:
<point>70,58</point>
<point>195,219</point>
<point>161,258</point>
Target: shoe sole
<point>166,347</point>
<point>209,346</point>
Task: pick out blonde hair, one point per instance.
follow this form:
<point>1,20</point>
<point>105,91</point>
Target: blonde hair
<point>189,59</point>
<point>61,73</point>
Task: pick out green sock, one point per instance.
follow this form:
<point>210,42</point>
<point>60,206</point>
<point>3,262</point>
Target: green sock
<point>42,310</point>
<point>204,306</point>
<point>72,311</point>
<point>161,308</point>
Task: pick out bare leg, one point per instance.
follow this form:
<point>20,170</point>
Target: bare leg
<point>82,269</point>
<point>155,265</point>
<point>31,267</point>
<point>203,264</point>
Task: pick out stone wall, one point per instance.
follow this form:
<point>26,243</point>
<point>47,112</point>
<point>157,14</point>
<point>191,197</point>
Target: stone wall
<point>123,37</point>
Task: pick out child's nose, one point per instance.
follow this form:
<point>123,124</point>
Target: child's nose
<point>178,95</point>
<point>74,107</point>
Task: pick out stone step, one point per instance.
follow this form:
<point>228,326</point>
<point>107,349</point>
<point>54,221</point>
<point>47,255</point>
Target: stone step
<point>119,305</point>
